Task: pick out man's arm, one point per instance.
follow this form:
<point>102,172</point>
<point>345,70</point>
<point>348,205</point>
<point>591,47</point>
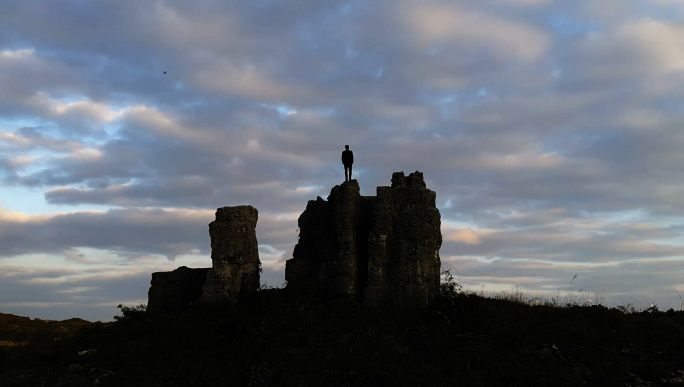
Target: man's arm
<point>351,156</point>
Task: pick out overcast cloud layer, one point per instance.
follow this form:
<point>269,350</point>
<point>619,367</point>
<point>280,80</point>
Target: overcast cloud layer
<point>552,132</point>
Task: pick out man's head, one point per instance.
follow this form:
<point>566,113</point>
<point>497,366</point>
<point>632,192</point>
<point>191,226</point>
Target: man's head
<point>346,147</point>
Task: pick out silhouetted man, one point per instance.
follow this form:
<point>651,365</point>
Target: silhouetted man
<point>347,160</point>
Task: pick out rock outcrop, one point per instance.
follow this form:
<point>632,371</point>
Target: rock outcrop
<point>404,243</point>
<point>332,248</point>
<point>235,266</point>
<point>383,250</point>
<point>234,255</point>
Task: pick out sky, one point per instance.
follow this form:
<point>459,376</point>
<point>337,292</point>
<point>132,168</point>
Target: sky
<point>551,131</point>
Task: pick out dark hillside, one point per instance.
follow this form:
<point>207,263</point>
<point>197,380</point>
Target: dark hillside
<point>30,349</point>
<point>282,338</point>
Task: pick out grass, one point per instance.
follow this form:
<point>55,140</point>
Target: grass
<point>281,338</point>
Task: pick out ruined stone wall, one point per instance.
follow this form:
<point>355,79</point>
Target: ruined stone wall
<point>235,266</point>
<point>317,247</point>
<point>404,243</point>
<point>332,243</point>
<point>173,290</point>
<point>383,249</point>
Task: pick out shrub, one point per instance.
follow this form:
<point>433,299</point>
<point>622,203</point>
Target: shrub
<point>448,286</point>
<point>134,313</point>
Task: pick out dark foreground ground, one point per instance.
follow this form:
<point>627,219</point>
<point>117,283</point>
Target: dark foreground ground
<point>282,339</point>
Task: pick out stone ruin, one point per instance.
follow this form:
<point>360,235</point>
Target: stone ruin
<point>234,254</point>
<point>235,266</point>
<point>173,290</point>
<point>380,250</point>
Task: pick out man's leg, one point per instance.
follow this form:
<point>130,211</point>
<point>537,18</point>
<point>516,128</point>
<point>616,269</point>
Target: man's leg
<point>350,171</point>
<point>345,173</point>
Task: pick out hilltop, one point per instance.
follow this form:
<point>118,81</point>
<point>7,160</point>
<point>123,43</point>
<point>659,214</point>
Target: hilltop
<point>279,337</point>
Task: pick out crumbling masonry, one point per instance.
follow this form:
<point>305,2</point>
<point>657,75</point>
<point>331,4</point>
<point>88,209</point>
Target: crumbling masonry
<point>383,250</point>
<point>235,266</point>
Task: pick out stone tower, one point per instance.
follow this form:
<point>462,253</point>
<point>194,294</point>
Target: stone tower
<point>234,255</point>
<point>383,250</point>
<point>235,266</point>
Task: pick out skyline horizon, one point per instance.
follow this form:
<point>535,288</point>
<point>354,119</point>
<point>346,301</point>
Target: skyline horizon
<point>278,276</point>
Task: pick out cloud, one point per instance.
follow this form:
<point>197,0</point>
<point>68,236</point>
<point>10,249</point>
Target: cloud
<point>679,3</point>
<point>59,294</point>
<point>641,47</point>
<point>175,232</point>
<point>248,82</point>
<point>444,23</point>
<point>30,138</point>
<point>133,232</point>
<point>638,282</point>
<point>466,236</point>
